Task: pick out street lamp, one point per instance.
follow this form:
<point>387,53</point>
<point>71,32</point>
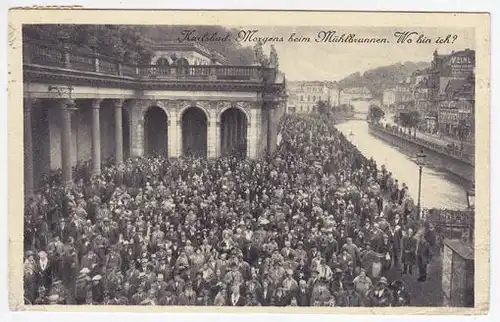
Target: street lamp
<point>420,161</point>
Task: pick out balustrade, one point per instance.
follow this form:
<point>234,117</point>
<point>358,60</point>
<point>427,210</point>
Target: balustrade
<point>50,55</point>
<point>82,63</point>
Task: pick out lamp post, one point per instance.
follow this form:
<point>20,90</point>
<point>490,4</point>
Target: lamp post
<point>420,161</point>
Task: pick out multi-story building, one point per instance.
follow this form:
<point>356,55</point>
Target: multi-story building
<point>303,96</point>
<point>389,97</point>
<point>453,91</point>
<point>443,93</point>
<point>347,95</point>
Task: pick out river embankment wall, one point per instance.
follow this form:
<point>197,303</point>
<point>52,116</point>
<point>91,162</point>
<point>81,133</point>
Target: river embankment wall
<point>436,156</point>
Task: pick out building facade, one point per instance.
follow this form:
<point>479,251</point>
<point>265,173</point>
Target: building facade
<point>454,98</point>
<point>80,108</point>
<point>443,94</point>
<point>304,95</point>
<point>347,95</point>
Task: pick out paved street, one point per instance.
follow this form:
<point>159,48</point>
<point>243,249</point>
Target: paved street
<point>426,293</point>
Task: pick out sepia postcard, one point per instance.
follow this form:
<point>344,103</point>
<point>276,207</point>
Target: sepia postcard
<point>249,161</point>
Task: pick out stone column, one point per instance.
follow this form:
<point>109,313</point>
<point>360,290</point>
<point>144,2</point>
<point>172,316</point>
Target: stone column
<point>218,146</point>
<point>96,137</point>
<point>230,128</point>
<point>67,175</point>
<point>178,130</point>
<point>172,136</point>
<point>136,130</point>
<point>252,135</point>
<point>118,131</point>
<point>212,136</point>
<point>28,149</point>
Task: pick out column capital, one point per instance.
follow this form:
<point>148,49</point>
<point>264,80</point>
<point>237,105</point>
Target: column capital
<point>68,104</point>
<point>96,103</point>
<point>118,103</point>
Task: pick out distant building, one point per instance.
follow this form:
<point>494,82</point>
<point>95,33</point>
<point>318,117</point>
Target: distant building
<point>443,94</point>
<point>303,96</point>
<point>389,97</point>
<point>453,91</point>
<point>347,95</point>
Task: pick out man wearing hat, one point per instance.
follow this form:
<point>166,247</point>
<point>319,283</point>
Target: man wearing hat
<point>81,286</point>
<point>30,277</point>
<point>320,295</point>
<point>381,295</point>
<point>139,296</point>
<point>188,295</point>
<point>169,298</point>
<point>90,260</point>
<point>97,290</point>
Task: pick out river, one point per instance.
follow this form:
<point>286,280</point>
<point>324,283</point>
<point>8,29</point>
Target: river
<point>439,189</point>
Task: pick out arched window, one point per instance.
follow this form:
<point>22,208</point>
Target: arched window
<point>182,65</point>
<point>308,98</point>
<point>162,62</point>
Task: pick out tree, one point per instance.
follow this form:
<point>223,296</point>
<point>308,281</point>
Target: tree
<point>414,120</point>
<point>123,43</point>
<point>375,113</point>
<point>323,107</point>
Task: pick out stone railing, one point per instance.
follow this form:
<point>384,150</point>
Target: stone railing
<point>452,224</point>
<point>453,153</point>
<point>42,54</point>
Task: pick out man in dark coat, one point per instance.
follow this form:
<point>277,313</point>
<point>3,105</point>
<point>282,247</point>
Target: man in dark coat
<point>97,290</point>
<point>302,295</point>
<point>266,293</point>
<point>43,270</point>
<point>409,246</point>
<point>423,253</point>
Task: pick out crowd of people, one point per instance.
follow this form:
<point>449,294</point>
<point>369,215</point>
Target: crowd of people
<point>315,224</point>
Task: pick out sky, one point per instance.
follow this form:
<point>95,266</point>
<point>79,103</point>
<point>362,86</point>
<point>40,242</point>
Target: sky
<point>333,61</point>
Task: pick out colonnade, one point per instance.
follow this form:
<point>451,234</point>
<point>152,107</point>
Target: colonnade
<point>226,131</point>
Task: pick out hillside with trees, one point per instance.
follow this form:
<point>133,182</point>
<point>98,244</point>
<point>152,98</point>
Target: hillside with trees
<point>377,79</point>
<point>130,43</point>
